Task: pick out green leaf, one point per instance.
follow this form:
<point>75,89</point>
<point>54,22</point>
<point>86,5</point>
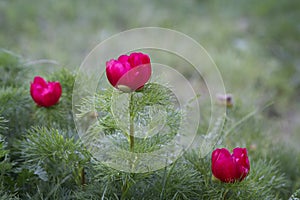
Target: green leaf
<point>295,196</point>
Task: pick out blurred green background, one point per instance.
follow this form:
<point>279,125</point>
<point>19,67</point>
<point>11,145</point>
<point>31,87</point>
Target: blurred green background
<point>255,44</point>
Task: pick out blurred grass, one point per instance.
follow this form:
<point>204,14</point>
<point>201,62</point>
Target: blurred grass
<point>255,44</point>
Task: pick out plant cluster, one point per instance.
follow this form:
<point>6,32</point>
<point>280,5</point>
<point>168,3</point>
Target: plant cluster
<point>42,156</point>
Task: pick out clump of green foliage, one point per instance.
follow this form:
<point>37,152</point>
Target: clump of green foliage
<point>42,157</point>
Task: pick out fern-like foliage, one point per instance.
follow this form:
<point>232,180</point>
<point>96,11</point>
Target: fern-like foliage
<point>42,157</point>
<point>295,196</point>
<point>3,124</point>
<point>53,159</point>
<point>16,107</point>
<point>108,110</point>
<point>5,166</point>
<point>5,169</point>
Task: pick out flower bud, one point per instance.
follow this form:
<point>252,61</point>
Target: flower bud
<point>45,93</point>
<point>230,167</point>
<point>129,73</point>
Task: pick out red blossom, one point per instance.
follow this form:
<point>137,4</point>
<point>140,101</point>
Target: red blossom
<point>230,167</point>
<point>45,93</point>
<point>129,73</point>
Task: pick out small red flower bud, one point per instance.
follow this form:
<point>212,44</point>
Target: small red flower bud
<point>45,93</point>
<point>230,167</point>
<point>129,73</point>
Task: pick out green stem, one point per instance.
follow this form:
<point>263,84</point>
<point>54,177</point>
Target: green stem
<point>225,193</point>
<point>124,189</point>
<point>82,177</point>
<point>131,137</point>
<point>131,121</point>
<point>126,184</point>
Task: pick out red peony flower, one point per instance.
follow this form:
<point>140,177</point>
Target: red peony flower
<point>230,167</point>
<point>129,73</point>
<point>43,93</point>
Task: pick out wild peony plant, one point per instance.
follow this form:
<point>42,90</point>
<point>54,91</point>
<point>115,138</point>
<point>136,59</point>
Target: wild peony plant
<point>128,74</point>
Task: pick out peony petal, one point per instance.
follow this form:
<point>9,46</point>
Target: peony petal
<point>145,59</point>
<point>114,71</point>
<point>55,90</point>
<point>123,59</point>
<point>241,157</point>
<point>225,170</point>
<point>136,59</point>
<point>136,77</point>
<point>36,94</point>
<point>220,154</point>
<point>40,81</point>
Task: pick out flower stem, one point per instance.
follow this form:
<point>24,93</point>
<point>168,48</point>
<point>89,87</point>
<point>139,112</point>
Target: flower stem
<point>125,188</point>
<point>126,184</point>
<point>82,177</point>
<point>225,193</point>
<point>131,137</point>
<point>131,121</point>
